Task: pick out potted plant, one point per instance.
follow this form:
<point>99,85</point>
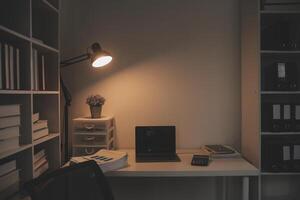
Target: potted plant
<point>95,102</point>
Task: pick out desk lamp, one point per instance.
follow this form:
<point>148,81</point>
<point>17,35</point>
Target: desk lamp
<point>98,58</point>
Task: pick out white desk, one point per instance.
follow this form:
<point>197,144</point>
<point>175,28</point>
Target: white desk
<point>218,167</point>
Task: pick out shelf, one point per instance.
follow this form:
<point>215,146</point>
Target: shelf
<point>279,198</point>
<point>280,173</point>
<point>280,12</point>
<point>278,52</point>
<point>27,92</point>
<point>46,138</point>
<point>43,47</point>
<point>14,151</point>
<point>45,92</point>
<point>280,92</point>
<point>280,133</point>
<point>15,92</point>
<point>50,6</point>
<point>12,33</point>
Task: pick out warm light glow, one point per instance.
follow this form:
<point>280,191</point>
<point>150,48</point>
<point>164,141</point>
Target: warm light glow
<point>101,61</point>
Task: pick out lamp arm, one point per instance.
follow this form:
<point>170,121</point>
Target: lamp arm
<point>74,60</point>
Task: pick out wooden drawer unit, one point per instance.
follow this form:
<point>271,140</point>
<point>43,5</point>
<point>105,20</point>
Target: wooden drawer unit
<point>91,135</point>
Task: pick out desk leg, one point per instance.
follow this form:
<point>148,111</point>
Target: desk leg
<point>224,188</point>
<point>245,188</point>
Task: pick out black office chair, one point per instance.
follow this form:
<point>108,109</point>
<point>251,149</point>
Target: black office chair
<point>83,181</point>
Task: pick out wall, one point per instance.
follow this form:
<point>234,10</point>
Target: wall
<point>175,62</point>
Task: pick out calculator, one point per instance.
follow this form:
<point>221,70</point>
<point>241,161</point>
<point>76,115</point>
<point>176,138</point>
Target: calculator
<point>200,160</point>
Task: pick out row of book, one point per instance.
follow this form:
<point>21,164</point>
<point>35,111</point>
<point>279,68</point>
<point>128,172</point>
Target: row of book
<point>10,122</point>
<point>280,117</point>
<point>9,179</point>
<point>38,72</point>
<point>39,127</point>
<point>9,67</point>
<point>40,164</point>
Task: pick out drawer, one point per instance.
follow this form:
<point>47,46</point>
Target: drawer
<point>89,139</point>
<point>83,151</point>
<point>88,124</point>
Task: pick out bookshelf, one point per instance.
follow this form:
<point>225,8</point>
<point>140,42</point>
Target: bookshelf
<point>270,136</point>
<point>30,25</point>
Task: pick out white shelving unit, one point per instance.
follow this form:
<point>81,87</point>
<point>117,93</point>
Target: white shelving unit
<point>21,23</point>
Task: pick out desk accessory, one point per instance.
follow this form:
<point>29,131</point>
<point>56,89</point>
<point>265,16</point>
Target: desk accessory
<point>90,135</point>
<point>156,144</point>
<point>98,58</point>
<point>95,102</point>
<point>200,160</point>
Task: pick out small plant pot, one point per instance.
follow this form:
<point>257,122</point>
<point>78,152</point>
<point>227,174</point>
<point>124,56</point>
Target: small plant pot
<point>96,111</point>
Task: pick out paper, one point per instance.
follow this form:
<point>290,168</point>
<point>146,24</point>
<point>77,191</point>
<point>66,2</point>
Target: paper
<point>286,112</point>
<point>281,70</point>
<point>297,112</point>
<point>296,152</point>
<point>286,153</point>
<point>276,111</point>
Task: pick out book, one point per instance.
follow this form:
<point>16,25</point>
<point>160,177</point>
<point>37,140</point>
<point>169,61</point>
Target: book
<point>17,74</point>
<point>220,151</point>
<point>106,159</point>
<point>43,81</point>
<point>32,70</point>
<point>40,124</point>
<point>10,110</point>
<point>1,68</point>
<point>9,144</point>
<point>39,155</point>
<point>6,65</point>
<point>9,132</point>
<point>42,169</point>
<point>36,71</point>
<point>6,122</point>
<point>40,133</point>
<point>11,67</point>
<point>8,180</point>
<point>7,167</point>
<point>39,162</point>
<point>35,117</point>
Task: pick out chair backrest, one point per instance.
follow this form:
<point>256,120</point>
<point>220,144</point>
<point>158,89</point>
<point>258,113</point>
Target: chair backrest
<point>83,181</point>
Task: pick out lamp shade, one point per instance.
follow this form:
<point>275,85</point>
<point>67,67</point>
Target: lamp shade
<point>99,57</point>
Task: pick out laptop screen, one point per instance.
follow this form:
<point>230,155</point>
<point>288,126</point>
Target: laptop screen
<point>155,140</point>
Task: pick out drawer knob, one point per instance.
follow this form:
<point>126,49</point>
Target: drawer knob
<point>89,126</point>
<point>87,151</point>
<point>89,138</point>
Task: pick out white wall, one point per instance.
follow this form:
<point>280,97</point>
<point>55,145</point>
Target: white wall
<point>175,62</point>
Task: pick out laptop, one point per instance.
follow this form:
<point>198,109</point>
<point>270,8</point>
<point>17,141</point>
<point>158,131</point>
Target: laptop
<point>155,144</point>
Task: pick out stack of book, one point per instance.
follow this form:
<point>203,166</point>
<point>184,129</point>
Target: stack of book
<point>9,67</point>
<point>107,160</point>
<point>9,179</point>
<point>10,121</point>
<point>40,164</point>
<point>39,127</point>
<point>220,151</point>
<point>38,72</point>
